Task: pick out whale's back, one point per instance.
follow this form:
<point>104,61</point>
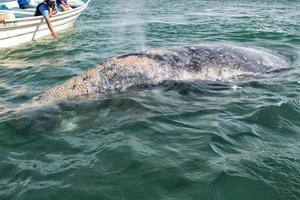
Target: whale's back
<point>219,56</point>
<point>205,62</point>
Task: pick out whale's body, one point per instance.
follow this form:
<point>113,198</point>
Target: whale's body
<point>205,62</point>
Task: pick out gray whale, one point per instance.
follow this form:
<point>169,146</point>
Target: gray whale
<point>203,62</point>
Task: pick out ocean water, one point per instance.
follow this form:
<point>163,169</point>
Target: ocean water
<point>218,140</point>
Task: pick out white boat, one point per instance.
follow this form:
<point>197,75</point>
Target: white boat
<point>23,27</point>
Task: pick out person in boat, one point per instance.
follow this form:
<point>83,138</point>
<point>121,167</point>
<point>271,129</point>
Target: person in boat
<point>23,4</point>
<point>62,5</point>
<point>47,9</point>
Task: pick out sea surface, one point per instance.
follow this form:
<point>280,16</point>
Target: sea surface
<point>210,140</point>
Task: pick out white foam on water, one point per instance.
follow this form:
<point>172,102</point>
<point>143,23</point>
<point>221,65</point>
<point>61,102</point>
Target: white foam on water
<point>235,87</point>
<point>280,103</point>
<point>68,125</point>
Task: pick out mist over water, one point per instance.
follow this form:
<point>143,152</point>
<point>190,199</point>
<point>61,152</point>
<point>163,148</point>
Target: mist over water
<point>235,139</point>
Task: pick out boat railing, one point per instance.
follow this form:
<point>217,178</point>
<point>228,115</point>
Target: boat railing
<point>22,12</point>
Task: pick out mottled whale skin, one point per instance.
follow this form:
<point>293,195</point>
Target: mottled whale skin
<point>202,62</point>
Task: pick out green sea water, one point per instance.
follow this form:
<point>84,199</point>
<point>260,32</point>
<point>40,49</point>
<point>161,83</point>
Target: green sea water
<point>210,140</point>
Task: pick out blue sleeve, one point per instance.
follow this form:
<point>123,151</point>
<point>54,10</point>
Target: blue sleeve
<point>23,2</point>
<point>44,10</point>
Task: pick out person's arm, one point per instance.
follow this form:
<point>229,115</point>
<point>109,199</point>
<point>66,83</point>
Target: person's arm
<point>53,11</point>
<point>51,28</point>
<point>46,14</point>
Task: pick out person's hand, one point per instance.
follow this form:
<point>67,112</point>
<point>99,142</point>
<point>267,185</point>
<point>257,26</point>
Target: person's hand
<point>53,12</point>
<point>54,35</point>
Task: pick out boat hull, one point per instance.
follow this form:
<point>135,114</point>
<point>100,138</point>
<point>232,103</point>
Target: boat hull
<point>24,30</point>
